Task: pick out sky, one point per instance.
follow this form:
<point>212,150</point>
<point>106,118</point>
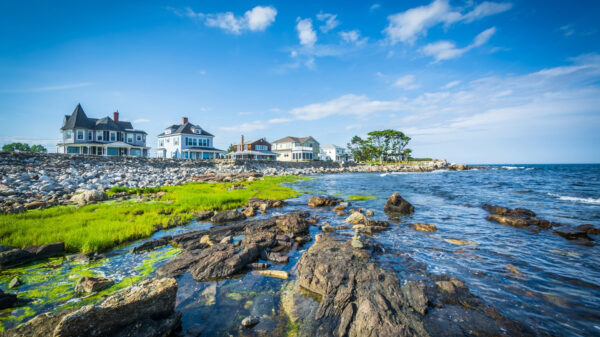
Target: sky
<point>469,81</point>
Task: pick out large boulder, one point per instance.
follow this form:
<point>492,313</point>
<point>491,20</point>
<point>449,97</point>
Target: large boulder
<point>294,223</point>
<point>46,250</point>
<point>396,205</point>
<point>92,284</point>
<point>227,216</point>
<point>88,197</point>
<point>15,257</point>
<point>357,218</point>
<point>323,201</point>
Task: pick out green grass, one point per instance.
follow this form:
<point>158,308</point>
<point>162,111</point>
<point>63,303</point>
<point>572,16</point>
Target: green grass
<point>129,190</point>
<point>360,197</point>
<point>104,225</point>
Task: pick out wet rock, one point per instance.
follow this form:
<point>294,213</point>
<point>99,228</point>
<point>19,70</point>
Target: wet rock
<point>227,239</point>
<point>369,213</point>
<point>152,244</point>
<point>589,229</point>
<point>227,216</point>
<point>573,235</point>
<point>265,203</point>
<point>15,282</point>
<point>327,228</point>
<point>259,265</point>
<point>509,220</point>
<point>88,197</point>
<point>357,218</point>
<point>250,321</point>
<point>204,215</point>
<point>92,284</point>
<point>50,250</point>
<point>323,201</point>
<point>275,273</point>
<point>15,257</point>
<point>277,257</point>
<point>423,227</point>
<point>294,223</point>
<point>461,242</point>
<point>339,208</point>
<point>152,328</point>
<point>195,331</point>
<point>7,300</point>
<point>5,248</point>
<point>397,205</point>
<point>249,212</point>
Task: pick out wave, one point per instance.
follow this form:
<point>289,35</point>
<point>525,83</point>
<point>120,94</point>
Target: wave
<point>576,199</point>
<point>513,167</point>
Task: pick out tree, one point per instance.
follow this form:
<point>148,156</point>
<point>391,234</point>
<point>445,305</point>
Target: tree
<point>358,150</point>
<point>384,145</point>
<point>23,148</point>
<point>230,148</point>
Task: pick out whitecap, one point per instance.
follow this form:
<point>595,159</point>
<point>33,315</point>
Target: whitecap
<point>513,167</point>
<point>576,199</point>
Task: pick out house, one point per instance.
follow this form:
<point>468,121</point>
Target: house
<point>330,152</point>
<point>101,137</point>
<point>187,141</point>
<point>296,148</point>
<point>256,149</point>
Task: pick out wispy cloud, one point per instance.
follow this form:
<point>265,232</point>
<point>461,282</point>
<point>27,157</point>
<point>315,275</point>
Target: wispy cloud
<point>409,25</point>
<point>445,50</point>
<point>374,7</point>
<point>49,88</point>
<point>258,18</point>
<point>406,82</point>
<point>330,21</point>
<point>141,120</point>
<point>353,37</point>
<point>345,105</point>
<point>451,84</point>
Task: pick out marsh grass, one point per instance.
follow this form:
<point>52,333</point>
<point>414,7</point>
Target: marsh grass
<point>104,225</point>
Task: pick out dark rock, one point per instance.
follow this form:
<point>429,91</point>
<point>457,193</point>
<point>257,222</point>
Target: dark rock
<point>15,257</point>
<point>92,284</point>
<point>4,248</point>
<point>509,220</point>
<point>498,210</point>
<point>150,245</point>
<point>7,300</point>
<point>40,326</point>
<point>50,250</point>
<point>227,216</point>
<point>277,257</point>
<point>397,205</point>
<point>204,215</point>
<point>152,328</point>
<point>573,235</point>
<point>323,201</point>
<point>294,223</point>
<point>259,265</point>
<point>257,203</point>
<point>195,331</point>
<point>589,229</point>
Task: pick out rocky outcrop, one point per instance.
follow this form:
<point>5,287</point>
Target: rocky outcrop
<point>293,223</point>
<point>361,299</point>
<point>12,256</point>
<point>396,205</point>
<point>145,309</point>
<point>152,244</point>
<point>323,201</point>
<point>227,216</point>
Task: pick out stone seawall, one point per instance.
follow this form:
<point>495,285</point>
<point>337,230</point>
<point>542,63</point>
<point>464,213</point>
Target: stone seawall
<point>29,180</point>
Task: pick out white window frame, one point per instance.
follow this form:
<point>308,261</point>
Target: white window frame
<point>80,135</point>
<point>113,136</point>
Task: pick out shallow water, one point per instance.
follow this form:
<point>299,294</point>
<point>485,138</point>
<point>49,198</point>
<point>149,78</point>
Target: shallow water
<point>539,280</point>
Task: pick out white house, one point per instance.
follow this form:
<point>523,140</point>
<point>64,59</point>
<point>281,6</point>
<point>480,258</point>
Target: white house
<point>296,148</point>
<point>187,141</point>
<point>330,152</point>
<point>102,137</point>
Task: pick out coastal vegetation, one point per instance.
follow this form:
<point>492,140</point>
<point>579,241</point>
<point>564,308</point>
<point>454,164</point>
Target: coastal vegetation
<point>383,146</point>
<point>101,226</point>
<point>23,147</point>
<point>360,197</point>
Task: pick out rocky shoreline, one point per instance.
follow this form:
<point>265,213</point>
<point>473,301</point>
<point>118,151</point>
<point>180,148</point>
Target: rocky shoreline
<point>33,181</point>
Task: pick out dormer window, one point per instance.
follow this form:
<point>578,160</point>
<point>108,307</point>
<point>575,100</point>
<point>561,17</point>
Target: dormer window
<point>197,131</point>
<point>167,131</point>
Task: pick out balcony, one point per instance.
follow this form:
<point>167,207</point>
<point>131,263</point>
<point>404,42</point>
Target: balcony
<point>302,148</point>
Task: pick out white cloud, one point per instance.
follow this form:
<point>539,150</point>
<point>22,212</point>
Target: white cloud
<point>330,21</point>
<point>306,33</point>
<point>353,37</point>
<point>374,7</point>
<point>446,50</point>
<point>407,26</point>
<point>141,120</point>
<point>344,105</point>
<point>451,84</point>
<point>256,19</point>
<point>49,88</point>
<point>406,82</point>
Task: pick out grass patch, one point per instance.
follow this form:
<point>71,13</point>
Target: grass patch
<point>102,226</point>
<point>361,197</point>
<point>132,190</point>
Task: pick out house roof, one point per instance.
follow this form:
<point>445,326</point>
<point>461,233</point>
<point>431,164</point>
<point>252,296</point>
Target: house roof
<point>78,119</point>
<point>186,129</point>
<point>294,139</point>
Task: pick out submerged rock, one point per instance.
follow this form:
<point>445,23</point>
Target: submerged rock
<point>15,282</point>
<point>423,227</point>
<point>589,229</point>
<point>275,273</point>
<point>397,205</point>
<point>250,321</point>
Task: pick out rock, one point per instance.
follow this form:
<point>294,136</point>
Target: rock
<point>259,265</point>
<point>424,227</point>
<point>573,235</point>
<point>339,208</point>
<point>249,212</point>
<point>397,205</point>
<point>195,331</point>
<point>5,248</point>
<point>35,204</point>
<point>461,242</point>
<point>369,213</point>
<point>357,241</point>
<point>15,257</point>
<point>89,196</point>
<point>510,220</point>
<point>150,245</point>
<point>204,215</point>
<point>227,239</point>
<point>92,284</point>
<point>7,300</point>
<point>357,218</point>
<point>152,328</point>
<point>341,213</point>
<point>327,228</point>
<point>275,273</point>
<point>50,250</point>
<point>589,229</point>
<point>15,282</point>
<point>277,257</point>
<point>227,216</point>
<point>294,223</point>
<point>323,201</point>
<point>250,321</point>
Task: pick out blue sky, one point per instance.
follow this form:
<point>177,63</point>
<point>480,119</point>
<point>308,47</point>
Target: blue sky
<point>469,81</point>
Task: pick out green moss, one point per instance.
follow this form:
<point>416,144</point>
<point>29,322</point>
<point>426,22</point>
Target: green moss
<point>102,226</point>
<point>360,197</point>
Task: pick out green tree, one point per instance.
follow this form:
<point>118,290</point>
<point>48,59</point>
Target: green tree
<point>23,147</point>
<point>383,145</point>
<point>230,148</point>
<point>357,148</point>
<point>38,148</point>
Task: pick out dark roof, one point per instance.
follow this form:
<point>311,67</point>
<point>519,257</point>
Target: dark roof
<point>293,139</point>
<point>78,119</point>
<point>186,129</point>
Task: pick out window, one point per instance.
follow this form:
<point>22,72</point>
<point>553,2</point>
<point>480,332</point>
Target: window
<point>129,138</point>
<point>113,136</point>
<point>176,141</point>
<point>135,152</point>
<point>112,151</point>
<point>196,131</point>
<point>194,141</point>
<point>69,133</point>
<point>139,138</point>
<point>161,143</point>
<point>72,150</point>
<point>99,136</point>
<point>168,140</point>
<point>79,134</point>
<point>261,147</point>
<point>89,135</point>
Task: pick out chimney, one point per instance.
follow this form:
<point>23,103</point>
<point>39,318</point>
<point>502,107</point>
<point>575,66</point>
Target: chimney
<point>116,116</point>
<point>242,147</point>
<point>184,120</point>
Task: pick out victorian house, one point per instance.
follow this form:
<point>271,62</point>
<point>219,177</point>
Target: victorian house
<point>187,141</point>
<point>255,149</point>
<point>101,136</point>
<point>296,148</point>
